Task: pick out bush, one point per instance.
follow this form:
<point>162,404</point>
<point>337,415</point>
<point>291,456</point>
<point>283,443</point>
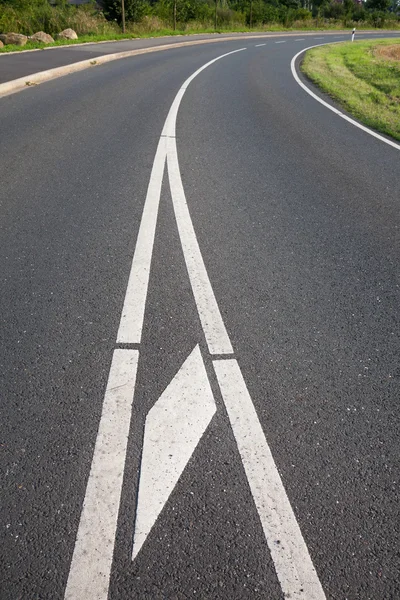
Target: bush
<point>27,18</point>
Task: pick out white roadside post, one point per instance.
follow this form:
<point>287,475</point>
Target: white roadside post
<point>353,33</point>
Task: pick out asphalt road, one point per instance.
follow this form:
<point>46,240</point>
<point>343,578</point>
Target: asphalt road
<point>284,343</point>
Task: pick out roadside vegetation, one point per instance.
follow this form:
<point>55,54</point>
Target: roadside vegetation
<point>146,18</point>
<point>364,77</point>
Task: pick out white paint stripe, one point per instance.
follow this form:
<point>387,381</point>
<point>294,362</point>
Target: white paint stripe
<point>131,323</point>
<point>293,564</point>
<point>332,108</point>
<point>282,42</point>
<point>211,320</point>
<point>213,326</point>
<point>299,40</point>
<point>174,427</point>
<point>169,129</point>
<point>91,562</point>
<point>259,45</point>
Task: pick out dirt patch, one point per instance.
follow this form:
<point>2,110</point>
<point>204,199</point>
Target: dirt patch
<point>388,52</point>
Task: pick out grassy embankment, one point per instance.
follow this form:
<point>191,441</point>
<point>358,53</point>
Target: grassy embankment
<point>364,77</point>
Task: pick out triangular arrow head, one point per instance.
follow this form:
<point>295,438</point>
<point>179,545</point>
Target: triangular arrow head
<point>173,428</point>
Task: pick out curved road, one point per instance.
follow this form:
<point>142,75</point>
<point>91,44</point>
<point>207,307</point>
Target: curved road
<point>240,437</point>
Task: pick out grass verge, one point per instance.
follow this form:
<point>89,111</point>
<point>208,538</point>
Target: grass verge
<point>364,77</point>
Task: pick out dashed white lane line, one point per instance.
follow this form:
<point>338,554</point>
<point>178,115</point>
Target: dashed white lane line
<point>259,45</point>
<point>299,40</point>
<point>293,564</point>
<point>281,42</point>
<point>91,562</point>
<point>332,108</point>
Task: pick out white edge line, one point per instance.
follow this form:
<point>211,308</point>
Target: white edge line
<point>94,547</point>
<point>293,564</point>
<point>332,108</point>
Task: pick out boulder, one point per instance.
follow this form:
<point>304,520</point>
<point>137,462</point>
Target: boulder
<point>42,37</point>
<point>13,38</point>
<point>67,34</point>
<point>1,44</point>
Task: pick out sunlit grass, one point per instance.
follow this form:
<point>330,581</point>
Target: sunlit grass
<point>363,78</point>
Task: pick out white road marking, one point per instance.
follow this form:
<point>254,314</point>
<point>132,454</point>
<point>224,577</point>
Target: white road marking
<point>91,562</point>
<point>174,427</point>
<point>282,42</point>
<point>259,45</point>
<point>131,324</point>
<point>217,338</point>
<point>299,40</point>
<point>92,558</point>
<point>332,108</point>
<point>293,564</point>
<point>169,129</point>
<point>318,38</point>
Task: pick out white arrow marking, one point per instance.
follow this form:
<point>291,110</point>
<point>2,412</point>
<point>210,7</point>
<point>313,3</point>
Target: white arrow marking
<point>174,427</point>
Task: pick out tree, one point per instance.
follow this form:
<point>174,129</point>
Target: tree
<point>134,9</point>
<point>381,5</point>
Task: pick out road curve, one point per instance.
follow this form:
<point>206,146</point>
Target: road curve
<point>268,344</point>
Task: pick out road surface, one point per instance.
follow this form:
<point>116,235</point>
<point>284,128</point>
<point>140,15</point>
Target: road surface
<point>200,335</point>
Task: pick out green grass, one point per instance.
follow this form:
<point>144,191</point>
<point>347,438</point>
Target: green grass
<point>364,83</point>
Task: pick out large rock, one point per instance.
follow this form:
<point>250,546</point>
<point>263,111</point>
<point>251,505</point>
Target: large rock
<point>1,44</point>
<point>42,37</point>
<point>67,34</point>
<point>17,39</point>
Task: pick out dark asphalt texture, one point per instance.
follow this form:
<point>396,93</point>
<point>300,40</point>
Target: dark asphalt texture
<point>297,216</point>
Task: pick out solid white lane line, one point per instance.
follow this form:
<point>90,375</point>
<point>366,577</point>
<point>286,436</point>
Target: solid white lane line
<point>259,45</point>
<point>332,108</point>
<point>293,564</point>
<point>174,427</point>
<point>169,129</point>
<point>91,562</point>
<point>131,323</point>
<point>217,338</point>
